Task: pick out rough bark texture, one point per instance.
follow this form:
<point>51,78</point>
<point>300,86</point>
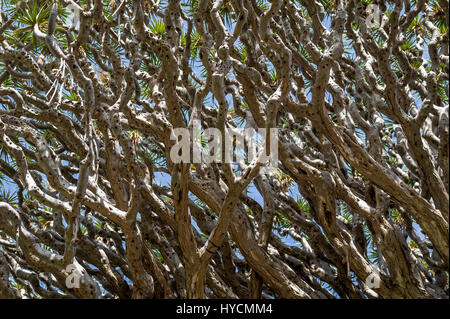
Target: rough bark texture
<point>88,105</point>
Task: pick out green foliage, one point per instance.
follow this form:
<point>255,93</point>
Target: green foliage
<point>281,220</point>
<point>157,26</point>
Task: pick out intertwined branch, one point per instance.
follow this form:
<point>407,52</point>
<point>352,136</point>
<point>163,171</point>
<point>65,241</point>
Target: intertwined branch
<point>91,92</point>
